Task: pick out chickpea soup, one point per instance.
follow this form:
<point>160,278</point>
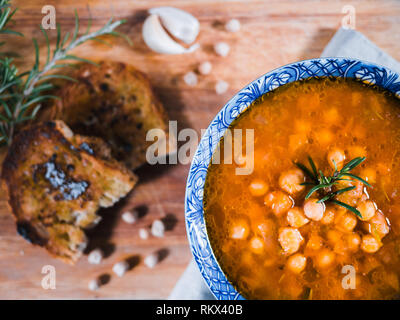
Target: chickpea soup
<point>319,216</point>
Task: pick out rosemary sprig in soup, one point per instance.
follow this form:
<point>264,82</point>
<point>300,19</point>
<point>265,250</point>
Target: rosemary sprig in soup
<point>325,185</point>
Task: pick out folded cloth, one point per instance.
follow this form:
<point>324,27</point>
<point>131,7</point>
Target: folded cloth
<point>353,44</point>
<point>191,285</point>
<point>345,43</point>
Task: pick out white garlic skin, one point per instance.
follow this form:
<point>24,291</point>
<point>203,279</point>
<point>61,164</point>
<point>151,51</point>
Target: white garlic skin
<point>221,87</point>
<point>151,260</point>
<point>190,78</point>
<point>233,25</point>
<point>158,228</point>
<point>130,217</point>
<point>94,285</point>
<point>222,49</point>
<point>178,23</point>
<point>205,68</point>
<point>181,24</point>
<point>95,256</point>
<point>143,234</point>
<point>120,268</point>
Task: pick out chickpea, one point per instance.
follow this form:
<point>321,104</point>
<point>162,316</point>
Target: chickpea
<point>314,210</point>
<point>256,245</point>
<point>296,218</point>
<point>290,181</point>
<point>325,137</point>
<point>324,259</point>
<point>314,242</point>
<point>265,227</point>
<point>329,216</point>
<point>270,261</point>
<point>334,236</point>
<point>359,132</point>
<point>357,151</point>
<point>369,175</point>
<point>367,210</point>
<point>350,197</point>
<point>296,263</point>
<point>353,241</point>
<point>290,240</point>
<point>382,168</point>
<point>240,229</point>
<point>380,223</point>
<point>340,247</point>
<point>297,140</point>
<point>258,188</point>
<point>302,126</point>
<point>336,156</point>
<point>279,202</point>
<point>331,115</point>
<point>346,222</point>
<point>370,244</point>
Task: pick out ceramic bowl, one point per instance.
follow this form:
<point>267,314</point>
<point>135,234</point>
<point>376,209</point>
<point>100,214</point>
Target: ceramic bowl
<point>199,242</point>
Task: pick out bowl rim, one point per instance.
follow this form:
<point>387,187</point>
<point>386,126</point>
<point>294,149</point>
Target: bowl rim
<point>368,72</point>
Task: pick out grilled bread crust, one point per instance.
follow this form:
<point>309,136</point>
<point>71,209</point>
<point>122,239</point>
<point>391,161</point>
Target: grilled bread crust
<point>56,181</point>
<point>115,102</point>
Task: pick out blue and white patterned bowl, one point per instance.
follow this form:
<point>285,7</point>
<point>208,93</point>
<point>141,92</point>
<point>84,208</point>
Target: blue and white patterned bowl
<point>194,213</point>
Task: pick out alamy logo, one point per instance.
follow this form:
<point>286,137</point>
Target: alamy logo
<point>49,20</point>
<point>349,20</point>
<point>238,147</point>
<point>349,280</point>
<point>49,280</point>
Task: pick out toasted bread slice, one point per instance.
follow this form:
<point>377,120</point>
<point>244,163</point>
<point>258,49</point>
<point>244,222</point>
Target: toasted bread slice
<point>115,102</point>
<point>56,181</point>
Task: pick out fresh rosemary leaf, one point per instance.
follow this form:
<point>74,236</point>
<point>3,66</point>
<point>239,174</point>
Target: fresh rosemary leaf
<point>340,191</point>
<point>306,184</point>
<point>357,178</point>
<point>316,188</point>
<point>352,164</point>
<point>47,44</point>
<point>348,207</point>
<point>324,184</point>
<point>313,167</point>
<point>21,93</point>
<point>335,193</point>
<point>306,171</point>
<point>72,57</point>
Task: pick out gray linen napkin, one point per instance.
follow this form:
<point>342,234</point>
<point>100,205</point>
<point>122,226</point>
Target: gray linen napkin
<point>345,43</point>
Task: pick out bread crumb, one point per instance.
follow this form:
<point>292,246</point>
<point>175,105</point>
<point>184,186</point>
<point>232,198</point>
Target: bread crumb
<point>190,78</point>
<point>94,284</point>
<point>120,268</point>
<point>205,67</point>
<point>130,216</point>
<point>143,234</point>
<point>232,25</point>
<point>95,256</point>
<point>221,87</point>
<point>222,49</point>
<point>157,228</point>
<point>151,260</point>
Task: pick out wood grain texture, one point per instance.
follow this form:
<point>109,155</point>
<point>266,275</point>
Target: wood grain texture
<point>273,33</point>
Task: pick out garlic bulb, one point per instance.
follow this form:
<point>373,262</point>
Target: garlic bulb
<point>178,23</point>
<point>181,24</point>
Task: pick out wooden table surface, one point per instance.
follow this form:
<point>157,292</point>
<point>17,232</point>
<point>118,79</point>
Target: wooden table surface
<point>273,33</point>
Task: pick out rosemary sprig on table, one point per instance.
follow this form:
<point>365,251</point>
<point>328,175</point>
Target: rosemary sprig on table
<point>5,17</point>
<point>324,184</point>
<point>21,94</point>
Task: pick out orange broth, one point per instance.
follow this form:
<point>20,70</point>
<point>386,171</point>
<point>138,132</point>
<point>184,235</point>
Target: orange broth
<point>297,120</point>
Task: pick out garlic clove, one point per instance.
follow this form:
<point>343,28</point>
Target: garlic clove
<point>181,24</point>
<point>158,39</point>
